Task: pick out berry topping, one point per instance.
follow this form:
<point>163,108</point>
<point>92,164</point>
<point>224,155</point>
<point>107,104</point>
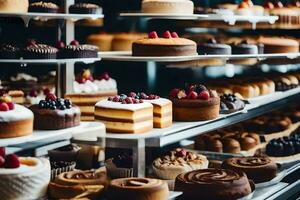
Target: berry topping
<point>141,101</point>
<point>128,100</point>
<point>269,5</point>
<point>74,42</point>
<point>153,35</point>
<point>132,94</point>
<point>167,35</point>
<point>2,152</point>
<point>4,107</point>
<point>51,96</point>
<point>181,94</point>
<point>2,162</point>
<point>12,161</point>
<point>55,103</point>
<point>278,4</point>
<point>143,95</point>
<point>135,101</point>
<point>46,91</point>
<point>174,35</point>
<point>81,80</point>
<point>60,45</point>
<point>244,5</point>
<point>33,93</point>
<point>204,95</point>
<point>192,95</point>
<point>104,76</point>
<point>174,92</point>
<point>116,99</point>
<point>11,105</point>
<point>180,152</point>
<point>153,96</point>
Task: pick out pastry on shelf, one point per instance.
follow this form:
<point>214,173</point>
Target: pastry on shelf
<point>284,147</point>
<point>173,163</point>
<point>9,51</point>
<point>244,47</point>
<point>58,167</point>
<point>67,153</point>
<point>124,41</point>
<point>24,177</point>
<point>279,45</point>
<point>102,40</point>
<point>283,82</point>
<point>213,184</point>
<point>55,113</point>
<point>15,120</point>
<point>196,103</point>
<point>33,50</point>
<point>17,96</point>
<point>230,103</point>
<point>122,114</point>
<point>120,166</point>
<point>212,47</point>
<point>76,50</point>
<point>179,7</point>
<point>138,188</point>
<point>87,91</point>
<point>257,168</point>
<point>78,184</point>
<point>168,45</point>
<point>85,8</point>
<point>43,7</point>
<point>14,6</point>
<point>162,108</point>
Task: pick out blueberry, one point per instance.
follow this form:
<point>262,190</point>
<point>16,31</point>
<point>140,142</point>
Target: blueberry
<point>62,107</point>
<point>68,106</point>
<point>53,107</point>
<point>68,102</point>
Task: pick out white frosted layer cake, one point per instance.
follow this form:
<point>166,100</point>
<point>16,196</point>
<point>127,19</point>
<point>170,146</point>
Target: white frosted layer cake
<point>168,6</point>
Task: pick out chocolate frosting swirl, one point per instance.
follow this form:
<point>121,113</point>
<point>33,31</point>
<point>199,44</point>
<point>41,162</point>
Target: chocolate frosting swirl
<point>251,161</point>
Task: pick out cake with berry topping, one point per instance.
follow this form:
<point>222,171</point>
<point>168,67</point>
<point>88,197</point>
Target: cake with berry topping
<point>87,91</point>
<point>14,6</point>
<point>122,114</point>
<point>183,7</point>
<point>55,113</point>
<point>15,120</point>
<point>43,7</point>
<point>162,108</point>
<point>168,45</point>
<point>247,8</point>
<point>23,177</point>
<point>39,51</point>
<point>76,50</point>
<point>35,96</point>
<point>85,8</point>
<point>195,103</point>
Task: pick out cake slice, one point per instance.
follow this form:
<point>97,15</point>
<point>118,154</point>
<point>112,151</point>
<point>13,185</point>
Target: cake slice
<point>122,114</point>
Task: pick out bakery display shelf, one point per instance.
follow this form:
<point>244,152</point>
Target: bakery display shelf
<point>174,194</point>
<point>50,61</point>
<point>87,131</point>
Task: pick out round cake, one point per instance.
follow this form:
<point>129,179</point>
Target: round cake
<point>169,45</point>
<point>24,177</point>
<point>85,8</point>
<point>43,7</point>
<point>14,6</point>
<point>76,50</point>
<point>279,45</point>
<point>184,7</point>
<point>15,120</point>
<point>258,169</point>
<point>39,51</point>
<point>138,189</point>
<point>213,184</point>
<point>199,105</point>
<point>55,113</point>
<point>103,41</point>
<point>211,47</point>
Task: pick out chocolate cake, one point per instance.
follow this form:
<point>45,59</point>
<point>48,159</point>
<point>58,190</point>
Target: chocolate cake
<point>211,47</point>
<point>285,146</point>
<point>76,50</point>
<point>8,51</point>
<point>231,103</point>
<point>85,8</point>
<point>39,51</point>
<point>244,48</point>
<point>43,7</point>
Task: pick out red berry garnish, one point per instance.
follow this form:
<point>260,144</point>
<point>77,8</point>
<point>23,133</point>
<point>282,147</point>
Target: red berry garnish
<point>2,152</point>
<point>204,95</point>
<point>174,93</point>
<point>192,88</point>
<point>60,45</point>
<point>11,105</point>
<point>116,99</point>
<point>278,4</point>
<point>2,162</point>
<point>132,94</point>
<point>152,96</point>
<point>167,34</point>
<point>104,76</point>
<point>141,101</point>
<point>193,95</point>
<point>135,101</point>
<point>128,100</point>
<point>181,153</point>
<point>181,94</point>
<point>269,5</point>
<point>51,97</point>
<point>152,35</point>
<point>4,107</point>
<point>46,91</point>
<point>81,80</point>
<point>33,93</point>
<point>174,35</point>
<point>12,161</point>
<point>74,42</point>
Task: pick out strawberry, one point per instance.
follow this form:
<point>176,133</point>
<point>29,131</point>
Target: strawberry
<point>4,107</point>
<point>152,35</point>
<point>12,161</point>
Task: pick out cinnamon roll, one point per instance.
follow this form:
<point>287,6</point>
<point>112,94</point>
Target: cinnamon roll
<point>259,169</point>
<point>78,184</point>
<point>213,184</point>
<point>138,189</point>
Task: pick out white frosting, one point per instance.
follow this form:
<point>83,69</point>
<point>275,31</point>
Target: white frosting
<point>160,101</point>
<point>23,76</point>
<point>23,168</point>
<point>17,114</point>
<point>96,86</point>
<point>119,105</point>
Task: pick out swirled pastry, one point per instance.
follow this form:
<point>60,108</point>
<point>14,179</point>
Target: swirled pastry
<point>213,184</point>
<point>138,189</point>
<point>259,169</point>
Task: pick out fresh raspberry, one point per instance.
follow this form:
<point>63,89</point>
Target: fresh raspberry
<point>152,35</point>
<point>104,76</point>
<point>116,99</point>
<point>2,152</point>
<point>51,97</point>
<point>11,105</point>
<point>132,94</point>
<point>74,42</point>
<point>143,95</point>
<point>181,94</point>
<point>60,45</point>
<point>4,107</point>
<point>192,95</point>
<point>167,35</point>
<point>46,91</point>
<point>12,161</point>
<point>136,101</point>
<point>174,93</point>
<point>174,35</point>
<point>204,95</point>
<point>129,100</point>
<point>2,162</point>
<point>152,96</point>
<point>33,93</point>
<point>181,153</point>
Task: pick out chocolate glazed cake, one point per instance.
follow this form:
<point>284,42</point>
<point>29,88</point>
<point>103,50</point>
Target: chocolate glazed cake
<point>211,47</point>
<point>85,8</point>
<point>79,51</point>
<point>43,7</point>
<point>39,51</point>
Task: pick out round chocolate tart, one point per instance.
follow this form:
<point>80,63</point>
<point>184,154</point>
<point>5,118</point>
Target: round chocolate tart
<point>258,169</point>
<point>43,7</point>
<point>55,113</point>
<point>213,184</point>
<point>8,51</point>
<point>79,51</point>
<point>211,47</point>
<point>85,8</point>
<point>39,51</point>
